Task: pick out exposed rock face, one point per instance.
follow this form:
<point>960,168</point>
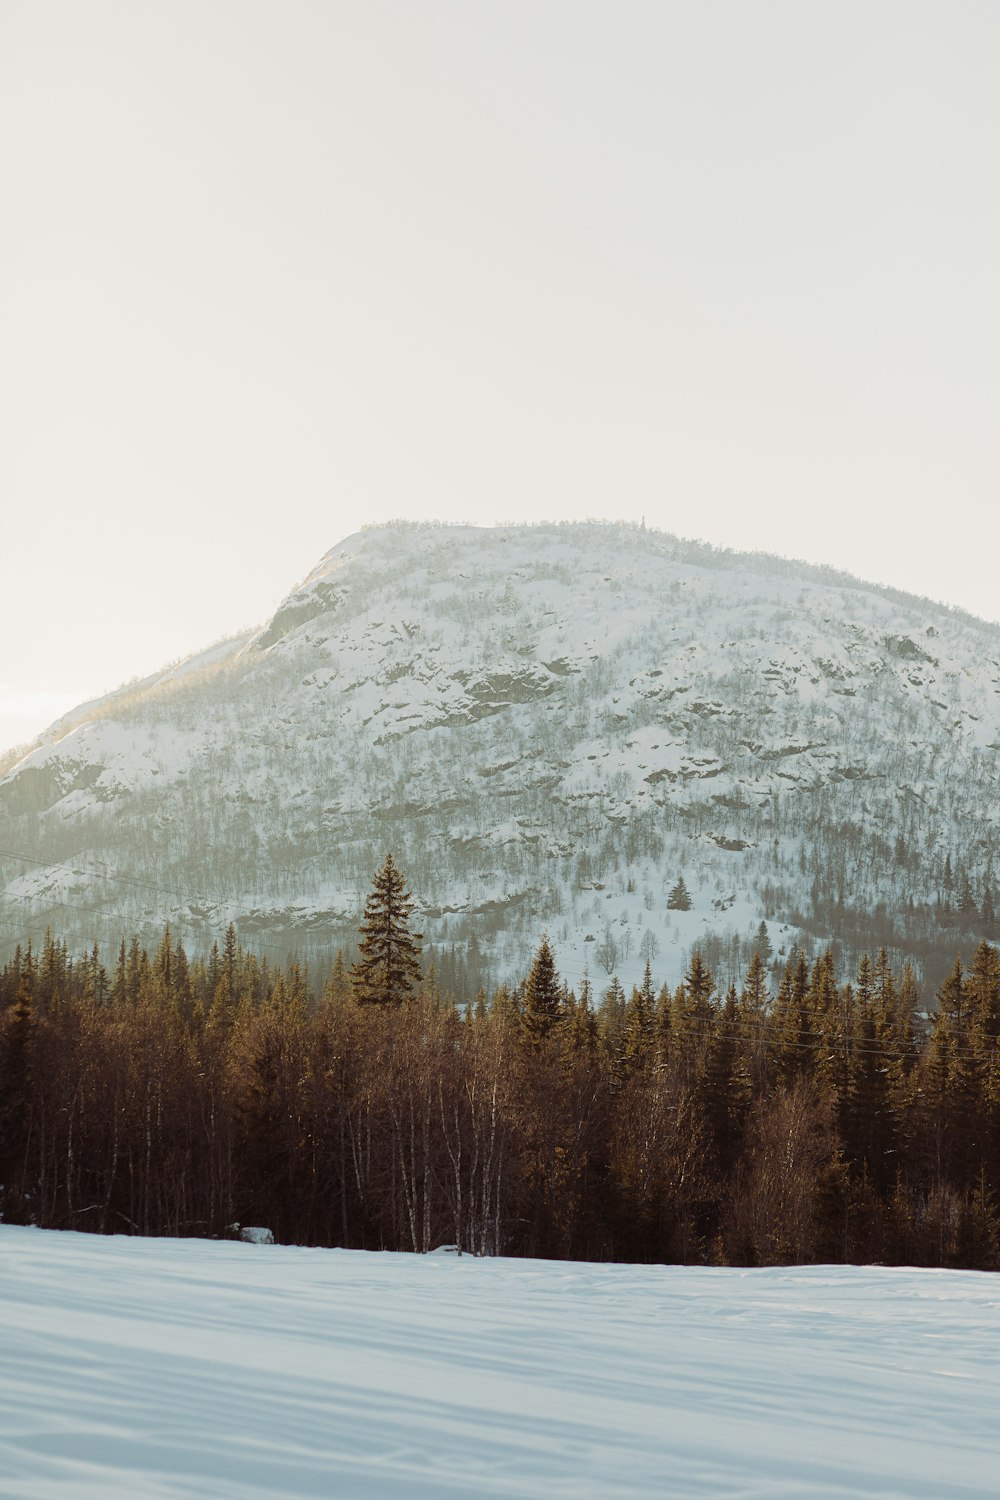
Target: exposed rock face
<point>546,725</point>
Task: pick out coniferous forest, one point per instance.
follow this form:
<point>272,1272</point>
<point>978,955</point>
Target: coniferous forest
<point>800,1120</point>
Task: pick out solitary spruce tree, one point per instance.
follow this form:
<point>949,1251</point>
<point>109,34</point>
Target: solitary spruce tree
<point>680,897</point>
<point>543,998</point>
<point>389,959</point>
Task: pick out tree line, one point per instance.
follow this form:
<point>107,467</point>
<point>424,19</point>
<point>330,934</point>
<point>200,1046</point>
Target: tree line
<point>830,1121</point>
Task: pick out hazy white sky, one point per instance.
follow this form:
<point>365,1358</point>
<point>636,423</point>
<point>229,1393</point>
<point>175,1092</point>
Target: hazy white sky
<point>272,270</point>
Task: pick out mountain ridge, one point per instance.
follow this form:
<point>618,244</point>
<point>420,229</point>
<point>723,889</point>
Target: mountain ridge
<point>537,719</point>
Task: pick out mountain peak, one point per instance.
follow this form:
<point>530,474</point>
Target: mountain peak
<point>547,725</point>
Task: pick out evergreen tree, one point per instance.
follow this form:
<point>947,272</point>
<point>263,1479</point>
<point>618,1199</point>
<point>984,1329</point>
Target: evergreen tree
<point>983,995</point>
<point>338,987</point>
<point>163,964</point>
<point>692,1025</point>
<point>866,1114</point>
<point>95,976</point>
<point>51,987</point>
<point>762,944</point>
<point>137,971</point>
<point>640,1017</point>
<point>611,1024</point>
<point>181,975</point>
<point>230,957</point>
<point>828,1021</point>
<point>580,1030</point>
<point>983,1038</point>
<point>728,1086</point>
<point>755,997</point>
<point>679,898</point>
<point>16,1084</point>
<point>389,962</point>
<point>119,984</point>
<point>791,1031</point>
<point>543,996</point>
<point>943,1087</point>
<point>752,1025</point>
<point>967,907</point>
<point>694,997</point>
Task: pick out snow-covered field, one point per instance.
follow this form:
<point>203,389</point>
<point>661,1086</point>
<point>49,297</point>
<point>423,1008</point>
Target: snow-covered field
<point>161,1368</point>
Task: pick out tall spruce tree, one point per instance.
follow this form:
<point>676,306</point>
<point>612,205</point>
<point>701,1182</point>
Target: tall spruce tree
<point>543,996</point>
<point>640,1019</point>
<point>752,1024</point>
<point>389,961</point>
<point>679,898</point>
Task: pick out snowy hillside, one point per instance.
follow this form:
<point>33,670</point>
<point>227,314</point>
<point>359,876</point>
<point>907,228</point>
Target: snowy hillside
<point>159,1369</point>
<point>547,726</point>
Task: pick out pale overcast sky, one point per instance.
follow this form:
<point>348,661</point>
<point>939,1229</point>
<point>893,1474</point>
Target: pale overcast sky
<point>272,270</point>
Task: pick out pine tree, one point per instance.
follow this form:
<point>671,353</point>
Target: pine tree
<point>611,1023</point>
<point>728,1086</point>
<point>864,1093</point>
<point>52,977</point>
<point>119,984</point>
<point>137,971</point>
<point>679,898</point>
<point>164,961</point>
<point>942,1086</point>
<point>338,987</point>
<point>755,997</point>
<point>543,996</point>
<point>640,1017</point>
<point>828,1021</point>
<point>752,1024</point>
<point>791,1029</point>
<point>692,1020</point>
<point>182,975</point>
<point>95,976</point>
<point>230,958</point>
<point>967,904</point>
<point>226,990</point>
<point>389,961</point>
<point>762,944</point>
<point>580,1031</point>
<point>983,1035</point>
<point>695,995</point>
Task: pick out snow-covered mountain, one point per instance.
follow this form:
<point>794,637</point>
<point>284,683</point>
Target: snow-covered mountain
<point>547,726</point>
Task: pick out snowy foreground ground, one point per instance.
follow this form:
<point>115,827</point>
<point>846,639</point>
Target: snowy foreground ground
<point>146,1368</point>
